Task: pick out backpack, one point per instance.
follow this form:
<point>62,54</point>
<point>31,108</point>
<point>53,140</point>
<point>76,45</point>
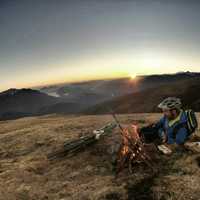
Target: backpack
<point>191,125</point>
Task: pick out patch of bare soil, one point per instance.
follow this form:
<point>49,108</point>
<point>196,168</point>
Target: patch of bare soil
<point>27,174</point>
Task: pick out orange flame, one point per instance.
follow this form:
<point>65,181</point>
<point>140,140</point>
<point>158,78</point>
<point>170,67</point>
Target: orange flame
<point>133,136</point>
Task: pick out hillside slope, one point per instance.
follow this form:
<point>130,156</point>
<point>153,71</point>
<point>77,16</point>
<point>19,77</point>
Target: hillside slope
<point>94,92</point>
<point>26,174</point>
<point>147,100</point>
<point>15,103</point>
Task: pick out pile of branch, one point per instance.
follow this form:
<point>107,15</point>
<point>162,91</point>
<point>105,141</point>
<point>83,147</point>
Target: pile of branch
<point>71,147</point>
<point>132,150</point>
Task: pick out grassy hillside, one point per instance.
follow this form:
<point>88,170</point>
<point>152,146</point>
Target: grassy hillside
<point>26,174</point>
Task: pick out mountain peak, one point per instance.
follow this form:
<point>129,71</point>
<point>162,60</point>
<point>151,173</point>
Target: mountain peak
<point>10,91</point>
<point>14,91</point>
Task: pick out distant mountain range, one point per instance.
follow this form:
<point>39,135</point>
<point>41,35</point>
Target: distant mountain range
<point>147,100</point>
<point>106,89</point>
<point>124,95</point>
<point>15,103</point>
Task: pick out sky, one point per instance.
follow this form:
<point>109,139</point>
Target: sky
<point>54,41</point>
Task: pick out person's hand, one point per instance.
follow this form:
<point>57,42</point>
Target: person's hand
<point>164,137</point>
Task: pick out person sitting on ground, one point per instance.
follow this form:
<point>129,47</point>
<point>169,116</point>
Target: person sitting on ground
<point>172,128</point>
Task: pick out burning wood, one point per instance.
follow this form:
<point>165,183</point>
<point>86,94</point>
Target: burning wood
<point>132,150</point>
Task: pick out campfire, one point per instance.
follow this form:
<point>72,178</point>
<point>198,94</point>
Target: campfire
<point>132,150</point>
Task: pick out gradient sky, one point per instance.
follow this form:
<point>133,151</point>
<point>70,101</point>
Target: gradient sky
<point>51,41</point>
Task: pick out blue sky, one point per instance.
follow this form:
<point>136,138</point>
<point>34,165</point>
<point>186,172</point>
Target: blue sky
<point>46,41</point>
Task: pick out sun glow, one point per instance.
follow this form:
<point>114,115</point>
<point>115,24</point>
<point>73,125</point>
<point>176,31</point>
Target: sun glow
<point>132,76</point>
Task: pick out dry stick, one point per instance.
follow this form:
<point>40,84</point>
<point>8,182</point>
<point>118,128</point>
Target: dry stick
<point>143,156</point>
<point>132,146</point>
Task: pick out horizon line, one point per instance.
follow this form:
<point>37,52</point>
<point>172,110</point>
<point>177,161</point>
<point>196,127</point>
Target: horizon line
<point>93,79</point>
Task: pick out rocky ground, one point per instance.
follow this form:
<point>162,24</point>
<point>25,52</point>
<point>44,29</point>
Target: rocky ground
<point>27,174</point>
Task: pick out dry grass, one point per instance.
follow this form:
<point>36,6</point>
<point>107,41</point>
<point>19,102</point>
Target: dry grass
<point>26,174</point>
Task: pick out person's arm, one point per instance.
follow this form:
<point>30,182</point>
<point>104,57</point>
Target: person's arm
<point>160,123</point>
<point>181,135</point>
<point>152,131</point>
<point>160,127</point>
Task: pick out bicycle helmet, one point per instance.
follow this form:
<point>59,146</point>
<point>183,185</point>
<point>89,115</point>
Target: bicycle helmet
<point>170,103</point>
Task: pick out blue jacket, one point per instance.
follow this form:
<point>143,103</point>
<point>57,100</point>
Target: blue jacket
<point>164,125</point>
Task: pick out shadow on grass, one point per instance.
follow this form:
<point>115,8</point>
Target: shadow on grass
<point>142,190</point>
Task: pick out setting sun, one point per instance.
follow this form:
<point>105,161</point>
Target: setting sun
<point>133,76</point>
